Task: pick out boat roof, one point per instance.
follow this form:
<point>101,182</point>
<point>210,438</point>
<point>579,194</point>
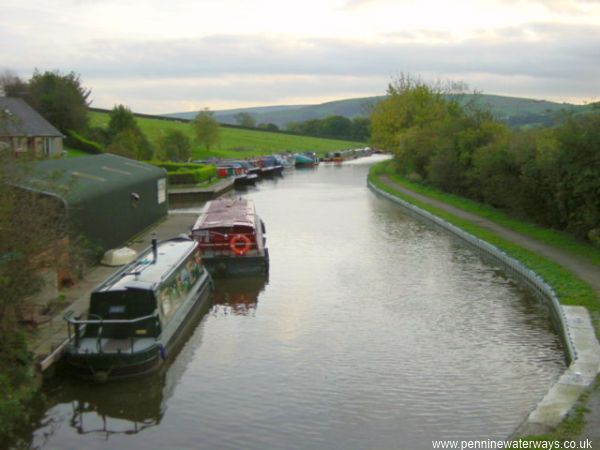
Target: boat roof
<point>144,272</point>
<point>226,212</point>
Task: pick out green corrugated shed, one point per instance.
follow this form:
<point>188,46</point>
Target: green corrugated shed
<point>108,198</point>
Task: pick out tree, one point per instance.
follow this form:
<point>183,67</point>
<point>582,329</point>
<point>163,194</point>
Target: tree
<point>126,137</point>
<point>245,119</point>
<point>131,143</point>
<point>61,99</point>
<point>361,128</point>
<point>11,85</point>
<point>268,127</point>
<point>120,119</point>
<point>578,193</point>
<point>206,129</point>
<point>176,146</point>
<point>30,225</point>
<point>336,126</point>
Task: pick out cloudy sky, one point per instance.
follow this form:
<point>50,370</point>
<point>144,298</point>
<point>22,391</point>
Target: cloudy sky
<point>159,56</point>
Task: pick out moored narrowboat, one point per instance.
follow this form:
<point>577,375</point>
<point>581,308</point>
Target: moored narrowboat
<point>307,159</point>
<point>270,165</point>
<point>139,314</point>
<point>232,238</point>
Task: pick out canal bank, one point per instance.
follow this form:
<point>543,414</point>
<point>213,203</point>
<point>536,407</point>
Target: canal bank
<point>190,196</point>
<point>573,322</point>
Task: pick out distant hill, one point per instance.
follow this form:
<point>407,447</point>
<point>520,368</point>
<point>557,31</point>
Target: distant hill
<point>523,112</point>
<point>282,115</point>
<point>515,111</point>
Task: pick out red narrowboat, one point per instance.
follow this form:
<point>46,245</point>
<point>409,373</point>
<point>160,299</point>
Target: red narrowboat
<point>232,238</point>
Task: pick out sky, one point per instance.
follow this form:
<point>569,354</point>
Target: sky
<point>162,56</point>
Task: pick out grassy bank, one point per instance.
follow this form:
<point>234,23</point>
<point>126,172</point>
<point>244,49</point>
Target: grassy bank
<point>570,289</point>
<point>235,142</point>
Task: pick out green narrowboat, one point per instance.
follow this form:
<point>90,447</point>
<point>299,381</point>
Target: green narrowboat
<point>138,315</point>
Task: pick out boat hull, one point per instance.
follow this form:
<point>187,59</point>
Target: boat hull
<point>219,266</point>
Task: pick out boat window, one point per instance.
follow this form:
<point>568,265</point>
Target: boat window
<point>175,290</point>
<point>126,304</point>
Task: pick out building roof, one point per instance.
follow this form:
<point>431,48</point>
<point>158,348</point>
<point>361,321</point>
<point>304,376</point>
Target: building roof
<point>81,179</point>
<point>18,119</point>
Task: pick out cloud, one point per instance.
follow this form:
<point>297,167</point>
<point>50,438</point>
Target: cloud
<point>165,74</point>
<point>546,50</point>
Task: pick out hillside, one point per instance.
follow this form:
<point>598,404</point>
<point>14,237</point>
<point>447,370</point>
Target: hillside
<point>235,142</point>
<point>282,115</point>
<point>514,111</point>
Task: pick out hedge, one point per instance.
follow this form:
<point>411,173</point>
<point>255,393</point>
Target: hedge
<point>186,173</point>
<point>76,141</point>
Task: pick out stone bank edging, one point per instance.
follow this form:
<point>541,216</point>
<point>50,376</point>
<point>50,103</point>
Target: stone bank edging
<point>574,324</point>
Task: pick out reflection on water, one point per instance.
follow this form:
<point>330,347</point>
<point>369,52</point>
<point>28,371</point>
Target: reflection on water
<point>120,408</point>
<point>127,407</point>
<point>374,330</point>
<point>238,296</point>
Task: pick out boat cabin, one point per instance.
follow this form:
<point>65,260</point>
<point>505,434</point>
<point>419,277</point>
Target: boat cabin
<point>232,237</point>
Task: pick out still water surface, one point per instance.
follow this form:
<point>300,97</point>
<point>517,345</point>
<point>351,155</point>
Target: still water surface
<point>373,331</point>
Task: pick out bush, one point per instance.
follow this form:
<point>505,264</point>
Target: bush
<point>19,386</point>
<point>76,141</point>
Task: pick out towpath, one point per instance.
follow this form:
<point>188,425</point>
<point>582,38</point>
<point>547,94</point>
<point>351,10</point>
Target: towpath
<point>583,268</point>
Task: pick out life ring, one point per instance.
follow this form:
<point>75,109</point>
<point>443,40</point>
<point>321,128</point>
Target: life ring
<point>240,244</point>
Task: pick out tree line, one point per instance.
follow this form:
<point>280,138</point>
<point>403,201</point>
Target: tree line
<point>338,127</point>
<point>547,175</point>
<point>334,126</point>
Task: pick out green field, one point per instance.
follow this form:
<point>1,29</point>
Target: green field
<point>235,142</point>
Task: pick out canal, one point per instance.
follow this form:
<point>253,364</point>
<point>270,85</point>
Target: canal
<point>373,330</point>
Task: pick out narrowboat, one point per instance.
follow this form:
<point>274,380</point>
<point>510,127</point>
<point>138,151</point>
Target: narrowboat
<point>138,315</point>
<point>306,159</point>
<point>232,238</point>
<point>238,171</point>
<point>270,165</point>
<point>252,170</point>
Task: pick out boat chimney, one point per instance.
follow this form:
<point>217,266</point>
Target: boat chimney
<point>154,249</point>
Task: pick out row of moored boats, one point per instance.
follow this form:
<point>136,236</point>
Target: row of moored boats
<point>249,171</point>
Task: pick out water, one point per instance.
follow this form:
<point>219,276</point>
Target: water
<point>373,331</point>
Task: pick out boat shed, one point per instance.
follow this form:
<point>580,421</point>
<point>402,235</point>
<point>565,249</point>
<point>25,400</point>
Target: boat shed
<point>108,199</point>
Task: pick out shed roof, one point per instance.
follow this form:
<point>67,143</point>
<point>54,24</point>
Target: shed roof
<point>76,180</point>
<point>17,118</point>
